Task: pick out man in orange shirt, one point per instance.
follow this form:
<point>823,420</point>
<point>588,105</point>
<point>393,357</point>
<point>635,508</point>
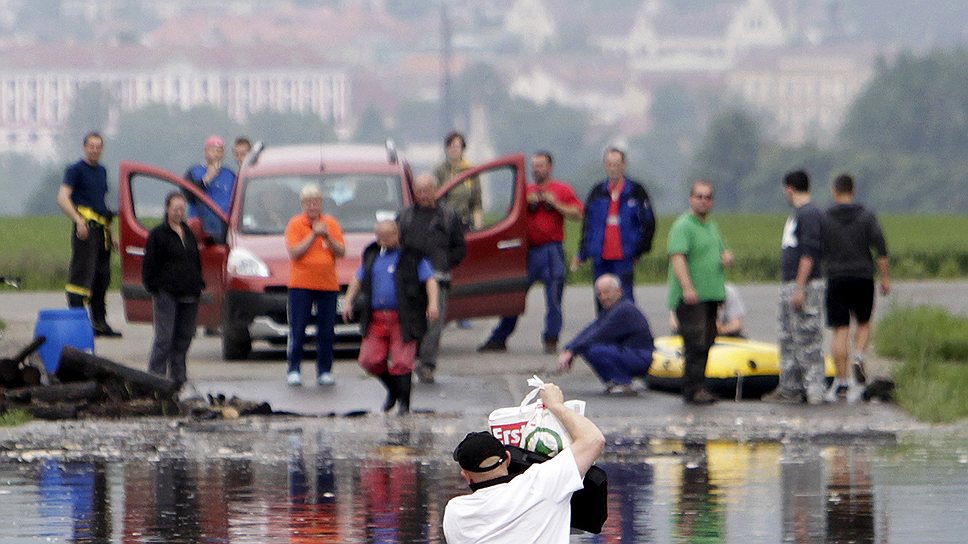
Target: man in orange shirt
<point>314,242</point>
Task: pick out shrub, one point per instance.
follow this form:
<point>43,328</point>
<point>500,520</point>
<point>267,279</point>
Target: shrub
<point>12,418</point>
<point>922,333</point>
<point>933,391</point>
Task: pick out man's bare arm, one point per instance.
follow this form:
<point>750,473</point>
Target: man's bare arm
<point>67,206</point>
<point>681,269</point>
<point>588,442</point>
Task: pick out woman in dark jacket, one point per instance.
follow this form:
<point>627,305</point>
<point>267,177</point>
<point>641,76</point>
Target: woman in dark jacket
<point>172,273</point>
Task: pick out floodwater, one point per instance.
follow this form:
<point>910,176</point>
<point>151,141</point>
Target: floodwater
<point>305,487</point>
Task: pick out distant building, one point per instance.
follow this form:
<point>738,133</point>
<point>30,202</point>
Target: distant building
<point>37,92</point>
<point>755,50</point>
<point>663,39</point>
<point>532,23</point>
<point>806,91</point>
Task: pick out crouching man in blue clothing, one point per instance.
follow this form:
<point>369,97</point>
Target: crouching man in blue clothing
<point>617,345</point>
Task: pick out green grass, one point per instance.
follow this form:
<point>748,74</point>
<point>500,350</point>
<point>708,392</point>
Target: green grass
<point>933,391</point>
<point>932,345</point>
<point>37,249</point>
<point>921,247</point>
<point>15,417</point>
<point>923,333</point>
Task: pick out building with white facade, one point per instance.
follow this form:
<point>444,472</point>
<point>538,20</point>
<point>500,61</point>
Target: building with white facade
<point>36,97</point>
<point>805,91</point>
<point>664,39</point>
<point>752,50</point>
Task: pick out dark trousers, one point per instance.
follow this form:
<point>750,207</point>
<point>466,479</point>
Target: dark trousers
<point>697,325</point>
<point>546,263</point>
<point>301,303</point>
<point>617,365</point>
<point>90,272</point>
<point>174,321</point>
<point>430,343</point>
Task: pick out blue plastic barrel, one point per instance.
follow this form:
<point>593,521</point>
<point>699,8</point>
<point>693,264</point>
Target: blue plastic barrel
<point>63,327</point>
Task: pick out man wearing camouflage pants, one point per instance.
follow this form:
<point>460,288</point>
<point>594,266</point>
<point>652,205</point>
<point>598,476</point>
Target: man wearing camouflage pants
<point>801,298</point>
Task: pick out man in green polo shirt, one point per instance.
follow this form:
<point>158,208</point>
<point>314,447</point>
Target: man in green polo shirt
<point>697,286</point>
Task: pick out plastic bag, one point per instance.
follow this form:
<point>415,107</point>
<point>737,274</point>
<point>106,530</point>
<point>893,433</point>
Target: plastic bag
<point>530,425</point>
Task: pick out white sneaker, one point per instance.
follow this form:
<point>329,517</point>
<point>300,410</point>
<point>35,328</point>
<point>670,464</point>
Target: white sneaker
<point>855,392</point>
<point>293,378</point>
<point>815,399</point>
<point>831,394</point>
<point>326,378</point>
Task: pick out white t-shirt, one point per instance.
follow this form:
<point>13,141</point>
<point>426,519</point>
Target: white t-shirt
<point>534,507</point>
<point>732,307</point>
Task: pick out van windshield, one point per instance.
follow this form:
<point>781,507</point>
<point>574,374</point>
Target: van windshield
<point>357,201</point>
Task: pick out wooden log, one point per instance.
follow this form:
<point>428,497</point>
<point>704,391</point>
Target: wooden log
<point>31,375</point>
<point>132,408</point>
<point>14,373</point>
<point>10,375</point>
<point>61,392</point>
<point>74,363</point>
<point>22,355</point>
<point>52,411</point>
<point>19,395</point>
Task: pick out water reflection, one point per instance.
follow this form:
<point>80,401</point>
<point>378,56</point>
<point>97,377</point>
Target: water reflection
<point>698,515</point>
<point>850,498</point>
<point>629,502</point>
<point>393,492</point>
<point>73,500</point>
<point>802,497</point>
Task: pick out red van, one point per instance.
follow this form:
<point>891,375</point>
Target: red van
<point>246,266</point>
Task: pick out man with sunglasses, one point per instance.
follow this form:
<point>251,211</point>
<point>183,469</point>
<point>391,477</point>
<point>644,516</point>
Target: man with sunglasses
<point>697,286</point>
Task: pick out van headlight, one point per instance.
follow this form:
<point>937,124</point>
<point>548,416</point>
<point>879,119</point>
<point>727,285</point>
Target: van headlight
<point>243,262</point>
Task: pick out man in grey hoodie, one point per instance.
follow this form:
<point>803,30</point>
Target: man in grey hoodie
<point>851,233</point>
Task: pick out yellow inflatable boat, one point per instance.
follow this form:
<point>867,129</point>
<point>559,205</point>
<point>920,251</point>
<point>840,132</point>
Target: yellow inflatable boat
<point>736,366</point>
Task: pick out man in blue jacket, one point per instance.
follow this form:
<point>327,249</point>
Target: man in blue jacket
<point>217,181</point>
<point>617,345</point>
<point>618,227</point>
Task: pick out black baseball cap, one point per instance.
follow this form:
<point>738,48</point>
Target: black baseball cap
<point>476,448</point>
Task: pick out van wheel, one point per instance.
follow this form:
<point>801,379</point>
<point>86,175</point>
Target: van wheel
<point>236,343</point>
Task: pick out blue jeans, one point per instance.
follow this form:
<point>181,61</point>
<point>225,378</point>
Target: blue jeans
<point>301,303</point>
<point>618,365</point>
<point>546,263</point>
<point>624,269</point>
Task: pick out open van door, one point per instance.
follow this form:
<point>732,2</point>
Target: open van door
<point>492,280</point>
<point>141,193</point>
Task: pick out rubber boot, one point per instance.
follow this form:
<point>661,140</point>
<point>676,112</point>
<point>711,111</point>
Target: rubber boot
<point>390,382</point>
<point>404,385</point>
<point>99,315</point>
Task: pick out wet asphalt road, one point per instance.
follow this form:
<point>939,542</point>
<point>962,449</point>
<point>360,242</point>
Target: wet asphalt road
<point>469,385</point>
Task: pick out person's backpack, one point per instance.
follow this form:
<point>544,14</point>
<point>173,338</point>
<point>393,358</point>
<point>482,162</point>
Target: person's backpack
<point>589,506</point>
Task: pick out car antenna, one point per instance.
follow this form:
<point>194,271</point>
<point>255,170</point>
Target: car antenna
<point>391,151</point>
<point>253,155</point>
